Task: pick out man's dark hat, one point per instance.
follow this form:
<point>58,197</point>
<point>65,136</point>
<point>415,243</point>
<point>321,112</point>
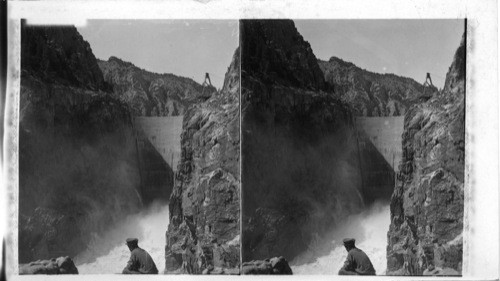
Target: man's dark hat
<point>349,241</point>
<point>132,240</point>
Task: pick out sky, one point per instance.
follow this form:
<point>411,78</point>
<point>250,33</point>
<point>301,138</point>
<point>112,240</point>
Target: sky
<point>187,48</point>
<point>409,48</point>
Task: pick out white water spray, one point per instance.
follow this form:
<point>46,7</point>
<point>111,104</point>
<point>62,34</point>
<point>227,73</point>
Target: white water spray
<point>108,253</point>
<point>369,228</point>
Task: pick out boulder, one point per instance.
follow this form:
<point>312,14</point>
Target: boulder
<point>61,265</point>
<point>276,265</point>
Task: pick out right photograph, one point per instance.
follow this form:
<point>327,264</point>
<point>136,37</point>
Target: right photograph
<point>353,146</point>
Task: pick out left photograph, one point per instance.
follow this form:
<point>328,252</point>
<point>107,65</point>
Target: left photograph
<point>129,148</point>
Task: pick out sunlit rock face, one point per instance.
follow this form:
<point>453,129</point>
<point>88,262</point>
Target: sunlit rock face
<point>204,229</point>
<point>427,206</point>
<point>372,94</point>
<point>300,168</point>
<point>149,93</point>
<point>78,168</point>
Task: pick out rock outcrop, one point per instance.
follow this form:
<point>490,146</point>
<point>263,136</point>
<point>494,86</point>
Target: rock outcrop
<point>60,55</point>
<point>299,155</point>
<point>276,265</point>
<point>427,205</point>
<point>78,169</point>
<point>152,94</point>
<point>204,229</point>
<point>61,265</point>
<point>373,94</point>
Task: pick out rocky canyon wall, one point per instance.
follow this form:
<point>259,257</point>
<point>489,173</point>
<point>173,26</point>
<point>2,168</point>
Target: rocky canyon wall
<point>299,154</point>
<point>78,170</point>
<point>427,206</point>
<point>158,103</point>
<point>204,229</point>
<point>379,102</point>
<point>149,93</point>
<point>373,94</point>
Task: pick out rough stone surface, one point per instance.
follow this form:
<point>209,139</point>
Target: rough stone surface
<point>77,153</point>
<point>204,230</point>
<point>300,164</point>
<point>276,265</point>
<point>373,94</point>
<point>152,94</point>
<point>60,55</point>
<point>61,265</point>
<point>427,205</point>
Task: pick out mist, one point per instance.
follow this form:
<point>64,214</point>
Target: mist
<point>301,174</point>
<point>78,170</point>
<point>369,228</point>
<point>107,252</point>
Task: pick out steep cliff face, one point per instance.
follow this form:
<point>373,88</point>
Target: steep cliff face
<point>427,205</point>
<point>152,94</point>
<point>373,94</point>
<point>204,229</point>
<point>77,154</point>
<point>60,55</point>
<point>299,157</point>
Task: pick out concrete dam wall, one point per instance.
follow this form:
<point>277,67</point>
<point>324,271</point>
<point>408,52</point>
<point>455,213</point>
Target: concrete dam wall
<point>380,152</point>
<point>159,147</point>
<point>164,133</point>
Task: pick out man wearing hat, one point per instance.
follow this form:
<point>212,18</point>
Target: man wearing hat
<point>140,261</point>
<point>357,262</point>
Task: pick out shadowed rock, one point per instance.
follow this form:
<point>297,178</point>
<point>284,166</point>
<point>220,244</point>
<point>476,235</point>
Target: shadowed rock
<point>78,170</point>
<point>299,154</point>
<point>61,265</point>
<point>276,265</point>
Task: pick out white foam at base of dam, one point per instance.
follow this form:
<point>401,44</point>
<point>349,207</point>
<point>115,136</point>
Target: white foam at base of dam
<point>369,228</point>
<point>148,226</point>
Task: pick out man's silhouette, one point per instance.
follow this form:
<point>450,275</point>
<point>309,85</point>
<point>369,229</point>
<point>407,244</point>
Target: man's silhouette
<point>140,261</point>
<point>357,262</point>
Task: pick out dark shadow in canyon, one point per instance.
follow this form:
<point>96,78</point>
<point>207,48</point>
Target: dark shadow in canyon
<point>297,189</point>
<point>79,170</point>
<point>303,171</point>
<point>156,176</point>
<point>378,177</point>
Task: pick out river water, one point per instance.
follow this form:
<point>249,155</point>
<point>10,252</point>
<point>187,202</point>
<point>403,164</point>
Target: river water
<point>149,226</point>
<point>369,228</point>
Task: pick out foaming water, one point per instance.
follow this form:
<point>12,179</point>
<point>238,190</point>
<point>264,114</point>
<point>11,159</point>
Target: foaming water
<point>109,254</point>
<point>369,228</point>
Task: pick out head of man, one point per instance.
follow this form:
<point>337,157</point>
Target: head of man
<point>132,243</point>
<point>349,243</point>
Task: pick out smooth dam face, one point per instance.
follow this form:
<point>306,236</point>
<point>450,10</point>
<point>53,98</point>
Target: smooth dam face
<point>164,133</point>
<point>385,134</point>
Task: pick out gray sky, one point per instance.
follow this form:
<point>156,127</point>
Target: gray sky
<point>186,48</point>
<point>408,48</point>
<point>190,48</point>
